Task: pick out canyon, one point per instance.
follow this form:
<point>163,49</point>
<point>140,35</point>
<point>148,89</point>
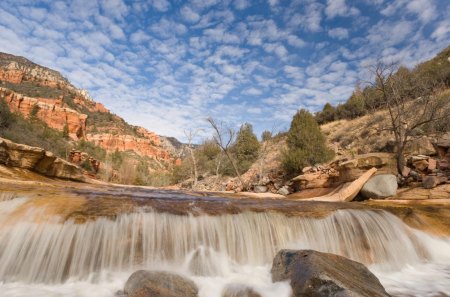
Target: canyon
<point>67,109</point>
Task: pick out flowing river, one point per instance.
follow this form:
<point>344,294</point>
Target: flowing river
<point>46,255</point>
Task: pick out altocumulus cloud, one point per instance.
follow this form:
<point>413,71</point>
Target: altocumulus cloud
<point>167,65</point>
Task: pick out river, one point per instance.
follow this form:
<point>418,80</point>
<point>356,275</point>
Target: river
<point>46,254</point>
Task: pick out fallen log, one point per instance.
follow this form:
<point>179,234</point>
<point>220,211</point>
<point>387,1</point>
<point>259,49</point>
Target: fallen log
<point>346,192</point>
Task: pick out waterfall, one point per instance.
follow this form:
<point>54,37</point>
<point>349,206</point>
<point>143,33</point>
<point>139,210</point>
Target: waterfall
<point>53,250</point>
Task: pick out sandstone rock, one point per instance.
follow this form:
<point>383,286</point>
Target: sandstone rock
<point>346,192</point>
<point>443,164</point>
<point>380,186</point>
<point>20,155</point>
<point>430,182</point>
<point>143,283</point>
<point>50,112</point>
<point>314,180</point>
<point>444,141</point>
<point>419,193</point>
<point>432,164</point>
<point>406,171</point>
<point>62,169</point>
<point>44,165</point>
<point>238,290</point>
<point>307,169</point>
<point>260,189</point>
<point>38,160</point>
<point>420,146</point>
<point>420,165</point>
<point>415,175</point>
<point>350,170</point>
<point>144,146</point>
<point>316,274</point>
<point>284,191</point>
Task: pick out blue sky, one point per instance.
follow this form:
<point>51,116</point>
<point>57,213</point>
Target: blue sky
<point>167,65</point>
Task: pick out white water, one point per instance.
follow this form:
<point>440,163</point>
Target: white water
<point>54,258</point>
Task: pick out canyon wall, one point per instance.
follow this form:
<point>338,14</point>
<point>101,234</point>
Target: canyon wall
<point>112,134</point>
<point>51,111</point>
<point>140,145</point>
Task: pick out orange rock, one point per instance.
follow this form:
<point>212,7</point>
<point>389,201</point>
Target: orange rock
<point>50,111</point>
<point>11,75</point>
<point>140,145</point>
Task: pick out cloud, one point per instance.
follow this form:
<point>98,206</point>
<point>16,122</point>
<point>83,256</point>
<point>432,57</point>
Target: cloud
<point>310,19</point>
<point>340,8</point>
<point>167,67</point>
<point>442,32</point>
<point>390,33</point>
<point>425,10</point>
<point>277,49</point>
<point>252,91</point>
<point>160,5</point>
<point>167,28</point>
<point>241,4</point>
<point>139,37</point>
<point>338,33</point>
<point>189,15</point>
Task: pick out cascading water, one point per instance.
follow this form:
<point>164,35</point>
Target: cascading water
<point>54,256</point>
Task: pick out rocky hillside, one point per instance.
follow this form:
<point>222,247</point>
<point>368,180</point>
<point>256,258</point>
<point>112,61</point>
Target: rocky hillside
<point>41,98</point>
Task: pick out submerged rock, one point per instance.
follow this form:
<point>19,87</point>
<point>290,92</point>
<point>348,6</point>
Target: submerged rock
<point>380,186</point>
<point>316,274</point>
<point>144,283</point>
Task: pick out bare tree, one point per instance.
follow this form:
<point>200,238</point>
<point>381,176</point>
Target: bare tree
<point>190,135</point>
<point>224,137</point>
<point>410,101</point>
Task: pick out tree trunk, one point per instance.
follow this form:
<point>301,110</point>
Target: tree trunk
<point>244,187</point>
<point>400,158</point>
<point>194,165</point>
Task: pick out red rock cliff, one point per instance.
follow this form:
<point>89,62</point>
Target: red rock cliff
<point>51,111</point>
<point>141,145</point>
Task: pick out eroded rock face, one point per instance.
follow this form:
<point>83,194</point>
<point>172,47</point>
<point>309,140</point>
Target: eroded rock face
<point>38,160</point>
<point>316,274</point>
<point>16,69</point>
<point>140,145</point>
<point>19,155</point>
<point>50,111</point>
<point>144,283</point>
<point>380,186</point>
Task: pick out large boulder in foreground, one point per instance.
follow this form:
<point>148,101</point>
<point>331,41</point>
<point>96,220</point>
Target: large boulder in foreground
<point>316,274</point>
<point>144,283</point>
<point>38,160</point>
<point>380,186</point>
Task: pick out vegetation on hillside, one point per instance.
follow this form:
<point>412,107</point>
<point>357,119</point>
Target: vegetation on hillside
<point>306,145</point>
<point>363,101</point>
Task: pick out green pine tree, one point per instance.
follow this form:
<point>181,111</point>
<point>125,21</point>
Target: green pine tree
<point>305,144</point>
<point>246,147</point>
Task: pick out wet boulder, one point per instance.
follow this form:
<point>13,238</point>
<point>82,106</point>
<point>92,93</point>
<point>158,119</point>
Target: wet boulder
<point>316,274</point>
<point>380,186</point>
<point>144,283</point>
